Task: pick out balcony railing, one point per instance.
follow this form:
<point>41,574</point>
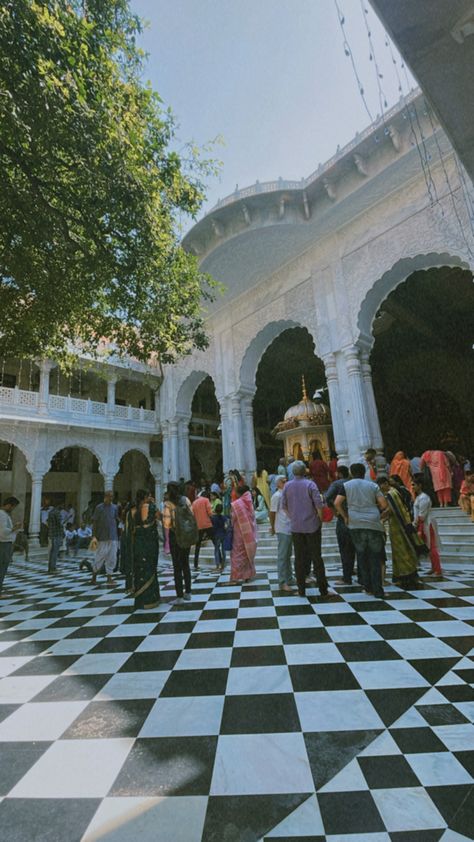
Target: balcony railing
<point>80,412</point>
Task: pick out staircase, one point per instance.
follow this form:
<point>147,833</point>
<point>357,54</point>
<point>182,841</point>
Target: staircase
<point>455,529</point>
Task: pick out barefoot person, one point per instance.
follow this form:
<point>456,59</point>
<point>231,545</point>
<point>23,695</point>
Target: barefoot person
<point>105,537</point>
<point>244,543</point>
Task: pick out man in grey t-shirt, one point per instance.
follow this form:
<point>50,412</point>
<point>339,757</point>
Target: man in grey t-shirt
<point>366,506</point>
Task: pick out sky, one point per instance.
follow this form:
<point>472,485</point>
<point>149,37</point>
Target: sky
<point>269,77</point>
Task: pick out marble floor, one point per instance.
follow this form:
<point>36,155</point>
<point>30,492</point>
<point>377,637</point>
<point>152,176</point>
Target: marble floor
<point>244,715</point>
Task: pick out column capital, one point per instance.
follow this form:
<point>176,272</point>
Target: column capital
<point>173,426</point>
<point>37,477</point>
<point>45,366</point>
<point>110,377</point>
<point>330,366</point>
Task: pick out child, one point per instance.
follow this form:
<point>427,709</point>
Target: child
<point>220,525</point>
<point>466,494</point>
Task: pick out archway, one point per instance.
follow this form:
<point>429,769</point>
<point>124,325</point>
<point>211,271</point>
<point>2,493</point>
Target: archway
<point>15,477</point>
<point>205,449</point>
<point>74,479</point>
<point>287,357</point>
<point>422,362</point>
<point>133,474</point>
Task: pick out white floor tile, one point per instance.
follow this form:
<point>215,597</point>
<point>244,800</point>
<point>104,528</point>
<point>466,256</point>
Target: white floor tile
<point>264,637</point>
<point>132,630</point>
<point>407,809</point>
<point>381,618</point>
<point>349,779</point>
<point>352,634</point>
<point>180,819</point>
<point>215,626</point>
<point>98,664</point>
<point>218,658</point>
<point>254,764</point>
<point>134,685</point>
<point>447,628</point>
<point>163,642</point>
<point>184,716</point>
<point>70,767</point>
<point>107,620</point>
<point>423,647</point>
<point>299,621</point>
<point>9,665</point>
<point>250,680</point>
<point>40,721</point>
<point>265,611</point>
<point>381,675</point>
<point>18,689</point>
<point>456,737</point>
<point>337,710</point>
<point>77,646</point>
<point>304,821</point>
<point>438,768</point>
<point>313,653</point>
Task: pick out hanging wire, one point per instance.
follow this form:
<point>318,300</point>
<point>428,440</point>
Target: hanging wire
<point>348,52</point>
<point>373,57</point>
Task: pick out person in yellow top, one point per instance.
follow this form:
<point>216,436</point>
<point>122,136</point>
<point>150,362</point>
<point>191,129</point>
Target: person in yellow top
<point>260,481</point>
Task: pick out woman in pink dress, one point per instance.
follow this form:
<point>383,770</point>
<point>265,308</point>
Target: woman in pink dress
<point>440,470</point>
<point>244,542</point>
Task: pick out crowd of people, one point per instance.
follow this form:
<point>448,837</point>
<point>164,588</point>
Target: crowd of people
<point>371,500</point>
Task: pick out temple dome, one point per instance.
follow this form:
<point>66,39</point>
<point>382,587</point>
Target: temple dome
<point>306,410</point>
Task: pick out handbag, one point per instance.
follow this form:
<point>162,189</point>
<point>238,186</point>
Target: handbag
<point>327,514</point>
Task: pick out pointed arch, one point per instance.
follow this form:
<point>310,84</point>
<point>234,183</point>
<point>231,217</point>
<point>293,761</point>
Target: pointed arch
<point>257,348</point>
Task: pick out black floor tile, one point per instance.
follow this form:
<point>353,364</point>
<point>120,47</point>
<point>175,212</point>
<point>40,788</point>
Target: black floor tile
<point>293,610</point>
<point>145,617</point>
<point>72,688</point>
<point>467,760</point>
<point>308,635</point>
<point>417,835</point>
<point>433,669</point>
<point>342,619</point>
<point>370,650</point>
<point>329,751</point>
<point>265,602</point>
<point>90,631</point>
<point>456,805</point>
<point>322,677</point>
<point>167,766</point>
<point>400,631</point>
<point>376,605</point>
<point>116,644</point>
<point>219,614</point>
<point>108,720</point>
<point>210,640</point>
<point>256,623</point>
<point>174,628</point>
<point>46,819</point>
<point>349,812</point>
<point>7,710</point>
<point>257,656</point>
<point>457,692</point>
<point>425,615</point>
<point>141,661</point>
<point>31,647</point>
<point>467,675</point>
<point>417,740</point>
<point>441,714</point>
<point>270,713</point>
<point>47,665</point>
<point>391,704</point>
<point>246,818</point>
<point>17,758</point>
<point>463,645</point>
<point>387,772</point>
<point>211,682</point>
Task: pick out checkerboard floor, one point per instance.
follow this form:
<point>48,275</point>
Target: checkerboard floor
<point>243,715</point>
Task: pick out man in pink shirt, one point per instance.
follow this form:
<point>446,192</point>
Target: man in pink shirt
<point>202,511</point>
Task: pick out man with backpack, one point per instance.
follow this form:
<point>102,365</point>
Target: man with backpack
<point>183,533</point>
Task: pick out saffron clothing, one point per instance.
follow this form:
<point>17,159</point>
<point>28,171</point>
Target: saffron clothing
<point>440,470</point>
<point>466,497</point>
<point>400,466</point>
<point>319,471</point>
<point>403,539</point>
<point>244,544</point>
<point>145,557</point>
<point>261,482</point>
<point>202,511</point>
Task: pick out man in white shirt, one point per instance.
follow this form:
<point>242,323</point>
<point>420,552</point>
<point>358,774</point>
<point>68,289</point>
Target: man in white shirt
<point>280,525</point>
<point>7,535</point>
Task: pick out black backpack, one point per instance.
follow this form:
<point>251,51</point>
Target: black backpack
<point>185,525</point>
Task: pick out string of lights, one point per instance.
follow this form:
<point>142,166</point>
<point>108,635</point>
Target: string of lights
<point>348,52</point>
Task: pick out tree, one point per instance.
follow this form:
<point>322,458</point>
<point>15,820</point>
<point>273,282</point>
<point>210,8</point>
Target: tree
<point>92,190</point>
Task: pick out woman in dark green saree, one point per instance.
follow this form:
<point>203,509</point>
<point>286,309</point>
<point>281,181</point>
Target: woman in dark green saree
<point>145,545</point>
<point>126,535</point>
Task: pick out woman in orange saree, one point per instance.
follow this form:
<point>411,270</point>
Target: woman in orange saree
<point>244,542</point>
<point>400,466</point>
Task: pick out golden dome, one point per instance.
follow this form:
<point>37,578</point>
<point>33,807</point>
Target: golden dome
<point>307,410</point>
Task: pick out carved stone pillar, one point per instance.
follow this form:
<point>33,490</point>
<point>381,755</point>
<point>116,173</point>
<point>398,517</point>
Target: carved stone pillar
<point>183,448</point>
<point>85,481</point>
<point>236,413</point>
<point>375,431</point>
<point>35,509</point>
<point>45,367</point>
<point>111,384</point>
<point>249,435</point>
<point>226,435</point>
<point>174,449</point>
<point>339,430</point>
<point>358,402</point>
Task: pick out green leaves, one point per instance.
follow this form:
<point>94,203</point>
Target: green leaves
<point>91,190</point>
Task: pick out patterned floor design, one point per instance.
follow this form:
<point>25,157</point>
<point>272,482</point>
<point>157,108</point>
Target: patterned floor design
<point>244,715</point>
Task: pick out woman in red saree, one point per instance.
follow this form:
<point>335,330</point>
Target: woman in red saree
<point>244,542</point>
<point>438,463</point>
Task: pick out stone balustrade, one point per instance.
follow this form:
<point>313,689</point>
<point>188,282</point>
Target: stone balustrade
<point>66,409</point>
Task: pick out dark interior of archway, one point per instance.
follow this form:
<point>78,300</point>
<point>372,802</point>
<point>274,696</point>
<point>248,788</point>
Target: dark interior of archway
<point>205,447</point>
<point>422,363</point>
<point>278,382</point>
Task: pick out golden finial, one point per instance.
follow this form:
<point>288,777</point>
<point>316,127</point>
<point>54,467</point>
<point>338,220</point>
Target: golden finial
<point>303,384</point>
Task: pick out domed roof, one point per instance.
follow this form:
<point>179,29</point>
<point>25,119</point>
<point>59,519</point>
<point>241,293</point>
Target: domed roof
<point>307,410</point>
